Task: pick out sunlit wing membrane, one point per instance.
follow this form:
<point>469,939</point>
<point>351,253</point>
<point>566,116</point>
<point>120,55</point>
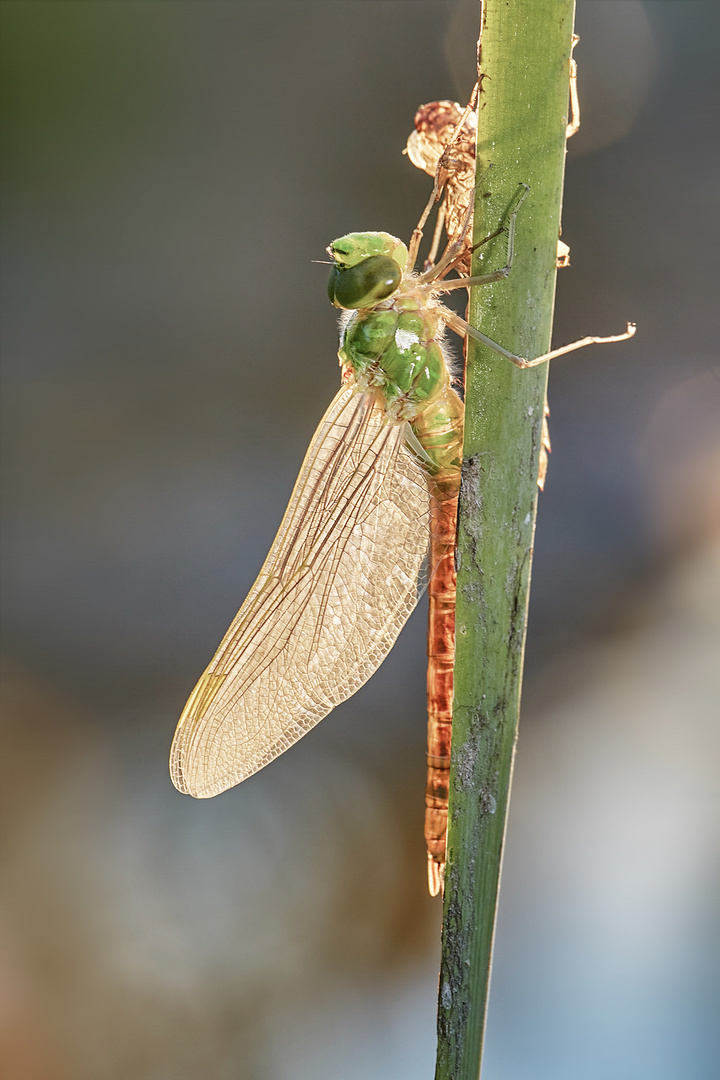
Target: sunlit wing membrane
<point>337,587</point>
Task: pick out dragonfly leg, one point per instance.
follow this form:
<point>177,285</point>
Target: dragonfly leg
<point>417,235</point>
<point>432,254</point>
<point>496,275</point>
<point>454,250</point>
<point>465,330</point>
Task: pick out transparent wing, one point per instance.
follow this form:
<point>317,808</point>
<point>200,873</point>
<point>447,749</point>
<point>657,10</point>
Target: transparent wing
<point>337,587</point>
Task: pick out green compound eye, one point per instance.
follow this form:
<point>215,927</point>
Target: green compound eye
<point>352,248</point>
<point>332,281</point>
<point>364,284</point>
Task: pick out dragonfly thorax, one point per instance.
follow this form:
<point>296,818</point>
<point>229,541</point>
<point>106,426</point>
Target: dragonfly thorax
<point>395,349</point>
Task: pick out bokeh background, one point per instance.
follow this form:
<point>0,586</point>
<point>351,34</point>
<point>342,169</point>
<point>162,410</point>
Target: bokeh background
<point>170,171</point>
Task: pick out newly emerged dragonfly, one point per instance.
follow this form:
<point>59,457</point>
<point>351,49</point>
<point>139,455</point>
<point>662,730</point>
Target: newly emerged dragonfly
<point>372,515</point>
<point>443,144</point>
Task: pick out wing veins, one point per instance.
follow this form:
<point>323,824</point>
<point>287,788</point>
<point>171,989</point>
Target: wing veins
<point>308,551</point>
<point>354,468</point>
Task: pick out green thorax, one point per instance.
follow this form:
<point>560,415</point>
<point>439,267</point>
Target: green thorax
<point>391,342</point>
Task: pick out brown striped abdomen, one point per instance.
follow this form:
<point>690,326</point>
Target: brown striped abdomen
<point>441,657</point>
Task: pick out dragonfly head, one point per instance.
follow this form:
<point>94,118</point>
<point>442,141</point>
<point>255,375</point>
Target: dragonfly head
<point>367,268</point>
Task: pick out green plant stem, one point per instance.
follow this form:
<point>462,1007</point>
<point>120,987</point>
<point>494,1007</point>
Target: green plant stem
<point>521,139</point>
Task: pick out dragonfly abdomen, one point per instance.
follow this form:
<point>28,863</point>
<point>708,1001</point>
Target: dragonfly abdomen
<point>441,658</point>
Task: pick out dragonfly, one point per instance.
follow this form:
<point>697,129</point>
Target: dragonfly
<point>370,521</point>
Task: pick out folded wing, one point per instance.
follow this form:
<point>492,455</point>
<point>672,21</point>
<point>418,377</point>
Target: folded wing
<point>338,585</point>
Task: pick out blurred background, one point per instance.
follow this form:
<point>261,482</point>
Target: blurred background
<point>170,171</point>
